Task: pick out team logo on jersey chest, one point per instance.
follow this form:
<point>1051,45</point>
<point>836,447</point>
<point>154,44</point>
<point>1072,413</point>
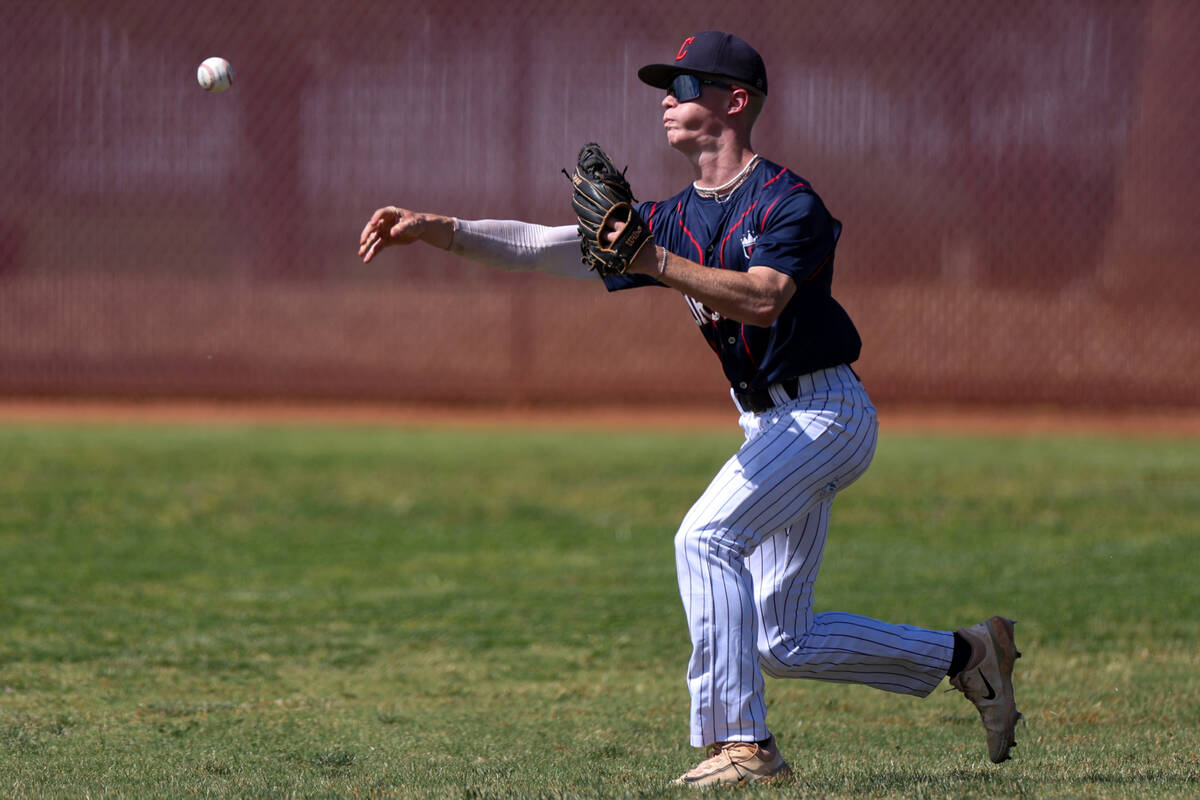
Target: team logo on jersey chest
<point>748,242</point>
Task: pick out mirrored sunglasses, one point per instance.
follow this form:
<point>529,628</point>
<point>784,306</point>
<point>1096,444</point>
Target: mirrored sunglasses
<point>687,87</point>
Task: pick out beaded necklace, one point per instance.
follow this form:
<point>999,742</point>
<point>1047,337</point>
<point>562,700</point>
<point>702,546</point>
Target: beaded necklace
<point>726,189</point>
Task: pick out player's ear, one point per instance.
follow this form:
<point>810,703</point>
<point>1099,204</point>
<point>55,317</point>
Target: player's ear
<point>739,100</point>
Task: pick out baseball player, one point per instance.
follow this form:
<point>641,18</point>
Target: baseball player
<point>750,247</point>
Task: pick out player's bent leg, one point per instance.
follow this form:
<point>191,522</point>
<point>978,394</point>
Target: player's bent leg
<point>848,648</point>
<point>835,647</point>
<point>987,682</point>
<point>784,571</point>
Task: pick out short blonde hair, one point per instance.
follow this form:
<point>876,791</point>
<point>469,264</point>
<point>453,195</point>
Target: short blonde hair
<point>755,107</point>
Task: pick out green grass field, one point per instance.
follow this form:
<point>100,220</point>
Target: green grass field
<point>248,611</point>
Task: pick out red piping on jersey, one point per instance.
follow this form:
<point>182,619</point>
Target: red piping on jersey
<point>753,360</point>
<point>699,250</point>
<point>824,264</point>
<point>650,222</point>
<point>731,230</point>
<point>771,207</point>
<point>777,174</point>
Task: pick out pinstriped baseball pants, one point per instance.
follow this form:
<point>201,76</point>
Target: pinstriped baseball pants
<point>747,555</point>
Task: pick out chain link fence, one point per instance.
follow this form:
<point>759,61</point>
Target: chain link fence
<point>1018,182</point>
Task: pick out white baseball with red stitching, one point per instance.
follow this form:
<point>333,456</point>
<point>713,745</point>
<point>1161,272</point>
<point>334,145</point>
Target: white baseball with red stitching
<point>214,74</point>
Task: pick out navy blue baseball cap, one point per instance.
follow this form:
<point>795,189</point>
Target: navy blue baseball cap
<point>711,53</point>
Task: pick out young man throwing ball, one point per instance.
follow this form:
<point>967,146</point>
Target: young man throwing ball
<point>750,247</point>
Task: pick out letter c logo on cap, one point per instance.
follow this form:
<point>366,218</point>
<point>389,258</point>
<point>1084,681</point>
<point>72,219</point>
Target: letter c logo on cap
<point>683,48</point>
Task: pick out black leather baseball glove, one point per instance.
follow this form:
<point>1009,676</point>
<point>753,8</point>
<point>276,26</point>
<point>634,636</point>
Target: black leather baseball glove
<point>600,194</point>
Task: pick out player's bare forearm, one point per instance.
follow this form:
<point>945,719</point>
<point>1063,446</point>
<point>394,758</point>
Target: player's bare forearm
<point>755,297</point>
<point>392,225</point>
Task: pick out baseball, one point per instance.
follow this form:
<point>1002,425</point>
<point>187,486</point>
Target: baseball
<point>215,74</point>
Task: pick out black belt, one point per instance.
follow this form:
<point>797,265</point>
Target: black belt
<point>759,401</point>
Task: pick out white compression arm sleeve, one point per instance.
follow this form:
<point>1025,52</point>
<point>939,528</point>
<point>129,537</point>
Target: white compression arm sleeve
<point>514,245</point>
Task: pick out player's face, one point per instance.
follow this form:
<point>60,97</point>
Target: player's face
<point>693,124</point>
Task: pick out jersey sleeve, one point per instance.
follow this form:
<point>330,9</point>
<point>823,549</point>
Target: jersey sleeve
<point>798,236</point>
<point>615,283</point>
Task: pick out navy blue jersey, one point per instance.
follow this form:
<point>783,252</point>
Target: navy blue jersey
<point>774,220</point>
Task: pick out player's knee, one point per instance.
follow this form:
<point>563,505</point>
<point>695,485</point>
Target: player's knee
<point>687,540</point>
<point>707,543</point>
<point>709,540</point>
<point>783,653</point>
<point>771,663</point>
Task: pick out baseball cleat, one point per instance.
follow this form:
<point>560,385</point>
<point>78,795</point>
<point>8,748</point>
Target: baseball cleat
<point>734,763</point>
<point>987,682</point>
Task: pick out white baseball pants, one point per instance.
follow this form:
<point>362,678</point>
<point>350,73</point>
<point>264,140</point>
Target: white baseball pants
<point>747,555</point>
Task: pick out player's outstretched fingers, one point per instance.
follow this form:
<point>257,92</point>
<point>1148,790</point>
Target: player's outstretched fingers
<point>399,226</point>
<point>376,230</point>
<point>371,227</point>
<point>368,251</point>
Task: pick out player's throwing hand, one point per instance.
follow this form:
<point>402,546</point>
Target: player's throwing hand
<point>392,225</point>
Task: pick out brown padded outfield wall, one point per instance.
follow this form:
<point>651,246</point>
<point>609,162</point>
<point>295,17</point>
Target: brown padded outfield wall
<point>1019,184</point>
